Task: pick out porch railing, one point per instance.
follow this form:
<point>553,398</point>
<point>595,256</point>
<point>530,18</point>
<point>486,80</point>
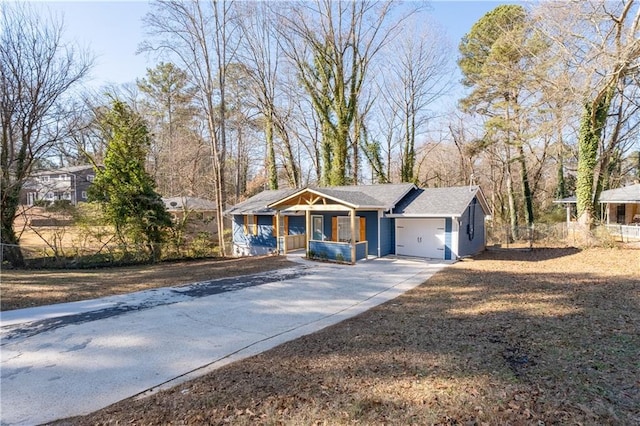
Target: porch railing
<point>337,251</point>
<point>626,232</point>
<point>293,242</point>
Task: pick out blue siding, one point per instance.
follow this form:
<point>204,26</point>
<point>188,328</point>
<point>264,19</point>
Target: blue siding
<point>263,242</point>
<point>371,223</point>
<point>360,251</point>
<point>237,231</point>
<point>387,236</point>
<point>330,250</point>
<point>471,238</point>
<point>447,238</point>
<point>296,225</point>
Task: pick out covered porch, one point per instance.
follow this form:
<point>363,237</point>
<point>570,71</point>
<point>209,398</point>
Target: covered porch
<point>335,229</point>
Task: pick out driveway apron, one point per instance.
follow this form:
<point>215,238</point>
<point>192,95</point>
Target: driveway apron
<point>72,359</point>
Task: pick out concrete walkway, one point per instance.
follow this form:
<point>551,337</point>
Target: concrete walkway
<point>74,358</point>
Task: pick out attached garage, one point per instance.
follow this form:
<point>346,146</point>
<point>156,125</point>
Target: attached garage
<point>420,237</point>
<point>440,223</point>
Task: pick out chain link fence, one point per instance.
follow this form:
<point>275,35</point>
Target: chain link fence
<point>555,235</point>
<point>71,255</point>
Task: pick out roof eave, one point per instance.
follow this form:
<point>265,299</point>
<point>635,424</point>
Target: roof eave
<point>423,215</point>
<point>315,192</point>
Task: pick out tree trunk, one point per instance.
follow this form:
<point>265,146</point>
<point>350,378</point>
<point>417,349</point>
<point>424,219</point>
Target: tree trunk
<point>9,249</point>
<point>272,171</point>
<point>594,118</point>
<point>526,189</point>
<point>513,212</point>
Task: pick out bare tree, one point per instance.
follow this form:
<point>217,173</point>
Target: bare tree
<point>418,71</point>
<point>599,42</point>
<point>203,38</point>
<point>332,44</point>
<point>37,70</point>
<point>168,104</point>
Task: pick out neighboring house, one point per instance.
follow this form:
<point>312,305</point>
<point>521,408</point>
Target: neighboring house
<point>67,183</point>
<point>620,210</point>
<point>198,208</point>
<point>622,205</point>
<point>350,223</point>
<point>618,206</point>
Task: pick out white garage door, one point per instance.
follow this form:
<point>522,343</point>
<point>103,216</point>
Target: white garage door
<point>420,238</point>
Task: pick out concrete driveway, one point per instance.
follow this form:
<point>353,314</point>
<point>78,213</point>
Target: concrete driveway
<point>71,359</point>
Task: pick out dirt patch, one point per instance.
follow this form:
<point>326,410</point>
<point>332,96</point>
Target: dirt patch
<point>510,337</point>
<point>22,289</point>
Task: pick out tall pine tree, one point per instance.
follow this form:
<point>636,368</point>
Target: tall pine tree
<point>124,188</point>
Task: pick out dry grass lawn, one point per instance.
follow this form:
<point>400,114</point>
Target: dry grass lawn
<point>513,337</point>
<point>28,288</point>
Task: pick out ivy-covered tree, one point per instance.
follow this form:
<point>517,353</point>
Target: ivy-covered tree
<point>123,187</point>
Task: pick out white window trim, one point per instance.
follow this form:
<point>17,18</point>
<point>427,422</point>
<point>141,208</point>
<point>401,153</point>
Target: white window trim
<point>313,217</point>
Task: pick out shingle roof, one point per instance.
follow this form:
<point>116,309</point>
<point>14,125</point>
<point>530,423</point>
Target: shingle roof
<point>405,199</point>
<point>627,194</point>
<point>189,203</point>
<point>568,200</point>
<point>70,169</point>
<point>383,196</point>
<point>259,202</point>
<point>437,201</point>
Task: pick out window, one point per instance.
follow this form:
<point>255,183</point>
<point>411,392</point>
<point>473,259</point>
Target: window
<point>44,178</point>
<point>84,195</point>
<point>49,196</point>
<point>341,229</point>
<point>91,178</point>
<point>317,228</point>
<point>64,177</point>
<point>344,229</point>
<point>250,225</point>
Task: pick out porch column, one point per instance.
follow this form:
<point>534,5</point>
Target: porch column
<point>307,230</point>
<point>352,213</point>
<point>279,250</point>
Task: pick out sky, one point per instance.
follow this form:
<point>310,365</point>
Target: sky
<point>113,30</point>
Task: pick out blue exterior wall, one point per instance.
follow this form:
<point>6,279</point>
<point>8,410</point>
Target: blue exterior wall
<point>371,223</point>
<point>447,238</point>
<point>387,236</point>
<point>296,225</point>
<point>371,218</point>
<point>330,250</point>
<point>263,242</point>
<point>472,232</point>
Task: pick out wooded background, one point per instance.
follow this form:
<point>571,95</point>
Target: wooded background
<point>248,96</point>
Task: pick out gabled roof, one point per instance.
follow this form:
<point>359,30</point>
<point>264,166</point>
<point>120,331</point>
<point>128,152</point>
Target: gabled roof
<point>627,194</point>
<point>259,202</point>
<point>439,202</point>
<point>188,203</point>
<point>382,196</point>
<point>402,199</point>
